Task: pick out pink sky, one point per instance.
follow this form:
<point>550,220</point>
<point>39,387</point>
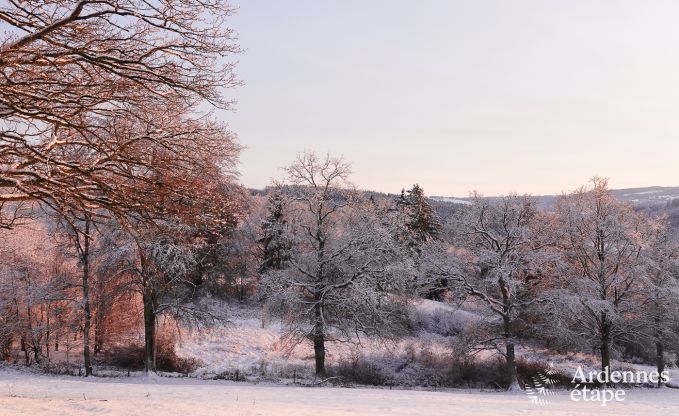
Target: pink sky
<point>499,96</point>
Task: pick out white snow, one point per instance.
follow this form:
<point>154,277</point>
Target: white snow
<point>451,200</point>
<point>458,315</point>
<point>36,395</point>
<point>253,347</point>
<point>250,348</point>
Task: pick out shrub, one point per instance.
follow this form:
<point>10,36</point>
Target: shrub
<point>131,357</point>
<point>62,369</point>
<point>358,370</point>
<point>529,369</point>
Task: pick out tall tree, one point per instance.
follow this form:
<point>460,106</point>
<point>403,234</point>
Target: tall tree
<point>174,252</point>
<point>78,229</point>
<point>602,241</point>
<point>501,254</point>
<point>273,235</point>
<point>342,262</point>
<point>657,314</point>
<point>417,228</point>
<point>421,222</point>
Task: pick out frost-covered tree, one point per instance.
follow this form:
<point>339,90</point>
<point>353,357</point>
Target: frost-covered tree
<point>77,230</point>
<point>171,257</point>
<point>273,235</point>
<point>417,228</point>
<point>111,270</point>
<point>601,243</point>
<point>658,313</point>
<point>166,283</point>
<point>421,222</point>
<point>343,268</point>
<point>191,215</point>
<point>499,254</point>
<point>74,72</point>
<point>35,306</point>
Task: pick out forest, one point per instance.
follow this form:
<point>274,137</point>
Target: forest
<point>123,221</point>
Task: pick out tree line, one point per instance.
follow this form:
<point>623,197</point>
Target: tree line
<point>593,274</point>
<point>119,203</point>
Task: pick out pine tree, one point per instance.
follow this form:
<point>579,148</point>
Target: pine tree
<point>275,246</point>
<point>417,225</point>
<point>421,221</point>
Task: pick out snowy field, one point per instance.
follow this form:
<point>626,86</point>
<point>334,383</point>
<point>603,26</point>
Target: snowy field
<point>42,395</point>
<point>252,345</point>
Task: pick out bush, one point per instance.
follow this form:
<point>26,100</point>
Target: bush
<point>234,375</point>
<point>62,369</point>
<point>529,369</point>
<point>440,321</point>
<point>470,373</point>
<point>358,370</point>
<point>426,368</point>
<point>132,357</point>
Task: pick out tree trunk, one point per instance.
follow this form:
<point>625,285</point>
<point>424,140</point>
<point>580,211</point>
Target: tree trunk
<point>605,356</point>
<point>149,332</point>
<point>47,331</point>
<point>99,327</point>
<point>85,259</point>
<point>511,368</point>
<point>660,360</point>
<point>659,347</point>
<point>605,347</point>
<point>86,339</point>
<point>319,324</point>
<point>510,357</point>
<point>508,335</point>
<point>319,355</point>
<point>319,340</point>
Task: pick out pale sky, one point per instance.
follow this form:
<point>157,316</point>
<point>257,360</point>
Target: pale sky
<point>497,96</point>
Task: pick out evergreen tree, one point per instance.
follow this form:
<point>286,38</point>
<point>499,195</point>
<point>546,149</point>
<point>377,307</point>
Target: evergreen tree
<point>421,222</point>
<point>418,225</point>
<point>275,245</point>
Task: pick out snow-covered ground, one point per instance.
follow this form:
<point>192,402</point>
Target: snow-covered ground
<point>250,348</point>
<point>36,395</point>
<point>252,345</point>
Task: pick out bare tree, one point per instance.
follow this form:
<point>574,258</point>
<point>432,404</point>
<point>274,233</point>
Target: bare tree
<point>658,312</point>
<point>342,263</point>
<point>601,241</point>
<point>77,74</point>
<point>78,229</point>
<point>499,256</point>
<point>173,256</point>
<point>32,294</point>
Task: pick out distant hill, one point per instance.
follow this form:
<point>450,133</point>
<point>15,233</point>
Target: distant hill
<point>642,197</point>
<point>656,200</point>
